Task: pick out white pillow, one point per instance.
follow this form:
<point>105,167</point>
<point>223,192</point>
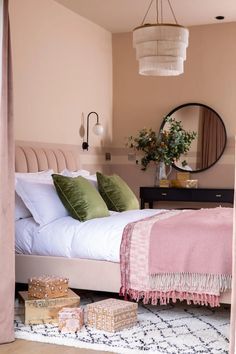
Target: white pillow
<point>68,173</point>
<point>21,212</point>
<point>35,175</point>
<point>41,199</point>
<point>84,173</point>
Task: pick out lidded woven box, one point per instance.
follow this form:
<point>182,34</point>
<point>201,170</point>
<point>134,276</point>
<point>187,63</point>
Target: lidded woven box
<point>47,287</point>
<point>71,319</point>
<point>112,315</point>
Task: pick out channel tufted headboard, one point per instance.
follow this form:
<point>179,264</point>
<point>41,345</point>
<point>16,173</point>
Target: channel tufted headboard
<point>34,157</point>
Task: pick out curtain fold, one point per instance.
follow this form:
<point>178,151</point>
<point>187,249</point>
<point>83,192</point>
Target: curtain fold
<point>233,298</point>
<point>7,258</point>
<point>213,137</point>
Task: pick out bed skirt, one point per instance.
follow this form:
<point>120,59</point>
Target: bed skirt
<point>83,273</point>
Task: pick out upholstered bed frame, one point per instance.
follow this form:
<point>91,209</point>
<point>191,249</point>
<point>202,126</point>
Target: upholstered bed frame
<point>83,273</point>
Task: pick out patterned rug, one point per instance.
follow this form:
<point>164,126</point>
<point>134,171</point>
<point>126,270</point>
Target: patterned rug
<point>170,329</point>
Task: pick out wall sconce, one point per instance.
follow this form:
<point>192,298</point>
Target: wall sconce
<point>97,129</point>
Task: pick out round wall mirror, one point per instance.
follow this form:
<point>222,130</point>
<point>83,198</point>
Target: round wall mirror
<point>209,145</point>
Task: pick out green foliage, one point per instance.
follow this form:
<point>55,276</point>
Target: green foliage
<point>167,146</point>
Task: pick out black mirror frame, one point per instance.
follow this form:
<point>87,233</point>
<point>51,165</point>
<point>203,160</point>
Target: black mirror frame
<point>205,106</point>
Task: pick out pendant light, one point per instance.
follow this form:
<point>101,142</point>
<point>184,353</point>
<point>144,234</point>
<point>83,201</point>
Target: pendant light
<point>160,47</point>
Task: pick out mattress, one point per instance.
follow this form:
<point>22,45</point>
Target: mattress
<point>97,239</point>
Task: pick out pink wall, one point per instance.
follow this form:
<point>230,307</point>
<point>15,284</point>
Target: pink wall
<point>139,101</point>
<point>62,67</point>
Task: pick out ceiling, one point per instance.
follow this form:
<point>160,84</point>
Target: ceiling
<point>124,15</point>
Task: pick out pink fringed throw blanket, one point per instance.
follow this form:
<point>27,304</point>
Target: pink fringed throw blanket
<point>183,255</point>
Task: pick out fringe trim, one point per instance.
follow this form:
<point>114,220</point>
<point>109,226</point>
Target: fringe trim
<point>212,284</point>
<point>155,297</point>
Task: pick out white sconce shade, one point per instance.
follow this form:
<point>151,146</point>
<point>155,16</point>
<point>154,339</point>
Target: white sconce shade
<point>98,129</point>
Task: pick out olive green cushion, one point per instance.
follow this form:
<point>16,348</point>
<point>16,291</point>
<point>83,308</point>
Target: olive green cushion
<point>116,193</point>
<point>80,198</point>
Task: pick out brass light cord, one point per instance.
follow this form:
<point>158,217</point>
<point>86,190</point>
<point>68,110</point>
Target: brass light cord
<point>147,12</point>
<point>161,12</point>
<point>157,3</point>
<point>172,12</point>
<point>157,11</point>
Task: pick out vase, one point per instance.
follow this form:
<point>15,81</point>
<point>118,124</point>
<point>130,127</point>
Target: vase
<point>161,172</point>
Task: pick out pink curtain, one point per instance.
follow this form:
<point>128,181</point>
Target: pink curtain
<point>7,266</point>
<point>233,298</point>
<point>213,137</point>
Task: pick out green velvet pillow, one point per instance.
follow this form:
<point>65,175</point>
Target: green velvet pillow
<point>116,193</point>
<point>80,198</point>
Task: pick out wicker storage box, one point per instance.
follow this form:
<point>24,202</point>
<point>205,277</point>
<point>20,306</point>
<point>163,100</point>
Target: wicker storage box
<point>183,176</point>
<point>178,183</point>
<point>192,183</point>
<point>46,310</point>
<point>47,287</point>
<point>70,319</point>
<point>164,183</point>
<point>112,315</point>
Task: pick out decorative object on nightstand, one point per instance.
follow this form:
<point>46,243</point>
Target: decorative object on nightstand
<point>112,315</point>
<point>183,180</point>
<point>191,183</point>
<point>70,319</point>
<point>178,183</point>
<point>183,176</point>
<point>164,148</point>
<point>47,287</point>
<point>164,183</point>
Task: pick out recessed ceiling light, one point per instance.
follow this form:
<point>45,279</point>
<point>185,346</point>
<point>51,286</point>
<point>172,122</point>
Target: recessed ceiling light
<point>219,17</point>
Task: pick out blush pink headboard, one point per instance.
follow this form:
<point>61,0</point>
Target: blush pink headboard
<point>34,157</point>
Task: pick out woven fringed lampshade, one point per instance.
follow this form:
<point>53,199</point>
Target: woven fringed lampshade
<point>160,48</point>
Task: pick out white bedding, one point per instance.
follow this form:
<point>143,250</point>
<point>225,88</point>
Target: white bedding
<point>97,239</point>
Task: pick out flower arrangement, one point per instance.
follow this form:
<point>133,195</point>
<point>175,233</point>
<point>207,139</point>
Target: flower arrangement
<point>167,146</point>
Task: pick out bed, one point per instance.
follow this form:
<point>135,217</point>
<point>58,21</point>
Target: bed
<point>84,272</point>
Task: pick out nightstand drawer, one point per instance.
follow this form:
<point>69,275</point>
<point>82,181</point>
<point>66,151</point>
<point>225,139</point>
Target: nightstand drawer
<point>171,194</point>
<point>213,195</point>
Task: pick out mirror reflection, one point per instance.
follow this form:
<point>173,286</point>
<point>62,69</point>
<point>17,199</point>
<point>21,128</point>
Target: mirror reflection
<point>210,142</point>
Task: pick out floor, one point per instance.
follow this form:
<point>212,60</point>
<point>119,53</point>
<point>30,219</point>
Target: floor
<point>30,347</point>
<point>26,347</point>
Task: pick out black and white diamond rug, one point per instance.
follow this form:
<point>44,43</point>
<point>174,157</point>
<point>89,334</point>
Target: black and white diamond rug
<point>170,329</point>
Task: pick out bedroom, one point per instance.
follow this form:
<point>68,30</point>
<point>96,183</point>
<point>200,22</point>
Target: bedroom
<point>60,71</point>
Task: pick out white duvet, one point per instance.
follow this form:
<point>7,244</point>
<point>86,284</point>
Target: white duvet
<point>97,239</point>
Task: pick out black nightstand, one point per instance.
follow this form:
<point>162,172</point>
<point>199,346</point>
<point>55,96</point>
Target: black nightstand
<point>155,194</point>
